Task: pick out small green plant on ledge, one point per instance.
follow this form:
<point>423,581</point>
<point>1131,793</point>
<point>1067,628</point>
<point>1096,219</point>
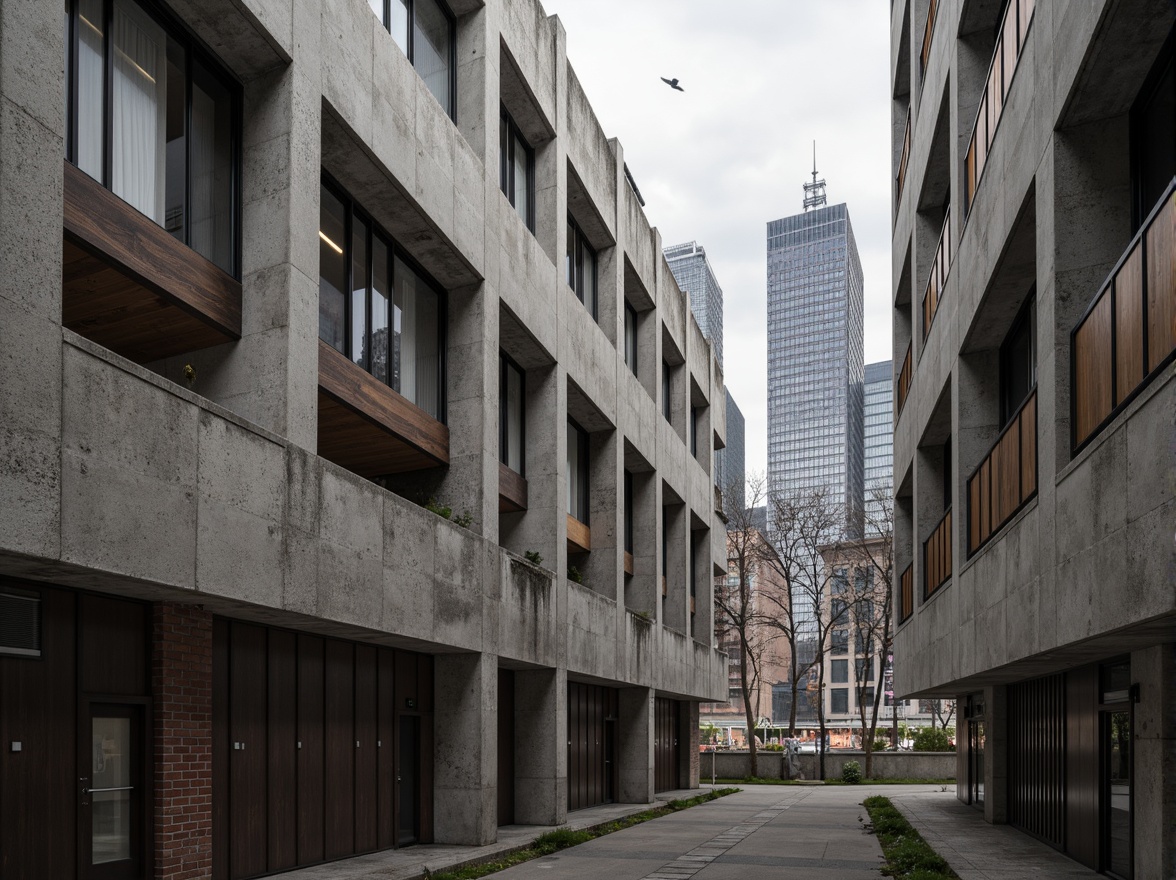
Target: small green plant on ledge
<point>441,510</point>
<point>642,615</point>
<point>465,520</point>
<point>574,575</point>
<point>533,557</point>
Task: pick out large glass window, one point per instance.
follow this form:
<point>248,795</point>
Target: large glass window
<point>667,400</point>
<point>153,118</point>
<point>581,267</point>
<point>628,512</point>
<point>516,168</point>
<point>839,671</point>
<point>1153,132</point>
<point>511,419</point>
<point>375,307</point>
<point>1018,362</point>
<point>424,30</point>
<point>577,472</point>
<point>631,338</point>
<point>839,702</point>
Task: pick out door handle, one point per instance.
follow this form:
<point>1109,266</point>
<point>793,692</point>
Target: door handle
<point>119,788</point>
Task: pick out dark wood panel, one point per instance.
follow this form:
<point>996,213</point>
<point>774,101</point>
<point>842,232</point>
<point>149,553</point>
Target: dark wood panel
<point>101,303</point>
<point>247,755</point>
<point>310,756</point>
<point>666,753</point>
<point>506,744</point>
<point>579,536</point>
<point>366,780</point>
<point>106,226</point>
<point>1036,756</point>
<point>512,490</point>
<point>339,742</point>
<point>220,747</point>
<point>1161,283</point>
<point>425,681</point>
<point>426,774</point>
<point>38,785</point>
<point>904,380</point>
<point>628,563</point>
<point>1082,766</point>
<point>282,749</point>
<point>1129,325</point>
<point>113,639</point>
<point>407,681</point>
<point>1092,370</point>
<point>937,562</point>
<point>376,404</point>
<point>386,753</point>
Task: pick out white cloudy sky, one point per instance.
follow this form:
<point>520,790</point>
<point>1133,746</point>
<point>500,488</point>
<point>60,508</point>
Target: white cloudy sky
<point>763,80</point>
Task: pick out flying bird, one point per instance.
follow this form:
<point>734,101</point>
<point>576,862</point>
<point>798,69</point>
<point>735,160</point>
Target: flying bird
<point>673,83</point>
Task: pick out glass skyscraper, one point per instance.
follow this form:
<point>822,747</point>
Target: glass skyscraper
<point>879,436</point>
<point>816,358</point>
<point>731,461</point>
<point>697,280</point>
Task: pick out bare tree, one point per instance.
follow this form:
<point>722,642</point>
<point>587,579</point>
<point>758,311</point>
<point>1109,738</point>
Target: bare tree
<point>802,527</point>
<point>737,618</point>
<point>943,711</point>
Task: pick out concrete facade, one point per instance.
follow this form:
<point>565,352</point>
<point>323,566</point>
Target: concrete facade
<point>126,479</point>
<point>1081,573</point>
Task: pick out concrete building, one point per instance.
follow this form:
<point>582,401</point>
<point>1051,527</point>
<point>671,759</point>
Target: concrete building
<point>878,434</point>
<point>282,285</point>
<point>1033,292</point>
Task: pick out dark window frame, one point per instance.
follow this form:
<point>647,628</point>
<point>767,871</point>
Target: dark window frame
<point>667,386</point>
<point>583,464</point>
<point>577,243</point>
<point>505,364</point>
<point>839,671</point>
<point>628,501</point>
<point>509,135</point>
<point>1026,320</point>
<point>631,337</point>
<point>195,51</point>
<point>839,696</point>
<point>352,208</point>
<point>411,48</point>
<point>1165,62</point>
<point>694,430</point>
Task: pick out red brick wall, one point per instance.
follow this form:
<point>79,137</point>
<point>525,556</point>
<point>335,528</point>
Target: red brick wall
<point>181,684</point>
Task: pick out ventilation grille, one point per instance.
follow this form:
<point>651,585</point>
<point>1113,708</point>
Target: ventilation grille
<point>20,623</point>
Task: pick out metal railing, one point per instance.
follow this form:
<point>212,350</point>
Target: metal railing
<point>1128,334</point>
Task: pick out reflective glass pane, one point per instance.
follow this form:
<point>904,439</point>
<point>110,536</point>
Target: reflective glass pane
<point>398,23</point>
<point>211,173</point>
<point>573,463</point>
<point>1119,792</point>
<point>381,308</point>
<point>431,36</point>
<point>110,789</point>
<point>522,189</point>
<point>589,280</point>
<point>415,358</point>
<point>175,176</point>
<point>332,270</point>
<point>514,419</point>
<point>359,291</point>
<point>91,87</point>
<point>570,262</point>
<point>378,9</point>
<point>139,99</point>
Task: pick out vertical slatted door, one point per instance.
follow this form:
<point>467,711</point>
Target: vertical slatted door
<point>247,755</point>
<point>311,736</point>
<point>339,779</point>
<point>366,778</point>
<point>282,749</point>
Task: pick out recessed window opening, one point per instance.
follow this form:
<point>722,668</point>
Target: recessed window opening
<point>516,169</point>
<point>945,474</point>
<point>375,307</point>
<point>581,267</point>
<point>694,431</point>
<point>1153,133</point>
<point>1018,361</point>
<point>577,472</point>
<point>20,623</point>
<point>425,31</point>
<point>631,338</point>
<point>512,416</point>
<point>667,401</point>
<point>156,120</point>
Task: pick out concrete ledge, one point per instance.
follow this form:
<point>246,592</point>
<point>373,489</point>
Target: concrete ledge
<point>886,765</point>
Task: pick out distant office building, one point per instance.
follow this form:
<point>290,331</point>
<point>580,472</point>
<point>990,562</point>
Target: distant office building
<point>695,277</point>
<point>879,437</point>
<point>731,462</point>
<point>815,355</point>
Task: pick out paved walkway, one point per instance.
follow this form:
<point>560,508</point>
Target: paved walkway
<point>782,832</point>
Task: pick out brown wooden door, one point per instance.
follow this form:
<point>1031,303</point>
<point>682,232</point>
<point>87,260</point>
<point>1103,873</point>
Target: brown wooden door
<point>666,754</point>
<point>111,819</point>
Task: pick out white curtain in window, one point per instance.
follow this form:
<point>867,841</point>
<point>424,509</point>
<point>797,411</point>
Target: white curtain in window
<point>430,49</point>
<point>91,79</point>
<point>140,74</point>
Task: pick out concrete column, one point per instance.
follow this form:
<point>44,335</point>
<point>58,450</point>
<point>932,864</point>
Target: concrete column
<point>996,754</point>
<point>465,788</point>
<point>643,588</point>
<point>674,606</point>
<point>535,528</point>
<point>541,755</point>
<point>1154,786</point>
<point>702,570</point>
<point>603,567</point>
<point>635,745</point>
<point>688,754</point>
<point>32,142</point>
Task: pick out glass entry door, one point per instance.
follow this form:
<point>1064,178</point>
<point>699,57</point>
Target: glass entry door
<point>976,763</point>
<point>408,780</point>
<point>111,792</point>
<point>1116,787</point>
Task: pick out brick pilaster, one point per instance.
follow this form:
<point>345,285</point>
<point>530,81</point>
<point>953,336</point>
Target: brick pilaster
<point>181,685</point>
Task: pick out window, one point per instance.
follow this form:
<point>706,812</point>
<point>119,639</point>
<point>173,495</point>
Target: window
<point>577,472</point>
<point>839,701</point>
<point>863,669</point>
<point>865,696</point>
<point>20,623</point>
<point>155,119</point>
<point>694,431</point>
<point>665,541</point>
<point>667,401</point>
<point>376,308</point>
<point>863,645</point>
<point>631,338</point>
<point>945,476</point>
<point>839,642</point>
<point>1153,133</point>
<point>838,611</point>
<point>1018,362</point>
<point>628,512</point>
<point>516,169</point>
<point>581,267</point>
<point>839,671</point>
<point>424,30</point>
<point>511,418</point>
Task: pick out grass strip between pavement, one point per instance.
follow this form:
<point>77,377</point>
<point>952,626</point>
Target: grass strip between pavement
<point>908,856</point>
<point>757,780</point>
<point>561,838</point>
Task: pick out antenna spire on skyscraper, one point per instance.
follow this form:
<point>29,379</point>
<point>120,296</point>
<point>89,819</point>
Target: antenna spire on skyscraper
<point>814,193</point>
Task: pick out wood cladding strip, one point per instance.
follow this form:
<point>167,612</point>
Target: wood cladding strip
<point>940,266</point>
<point>928,32</point>
<point>937,564</point>
<point>1161,284</point>
<point>512,490</point>
<point>903,160</point>
<point>579,535</point>
<point>906,582</point>
<point>904,379</point>
<point>106,226</point>
<point>1005,479</point>
<point>366,395</point>
<point>628,563</point>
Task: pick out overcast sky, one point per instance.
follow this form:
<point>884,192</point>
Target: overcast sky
<point>763,80</point>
